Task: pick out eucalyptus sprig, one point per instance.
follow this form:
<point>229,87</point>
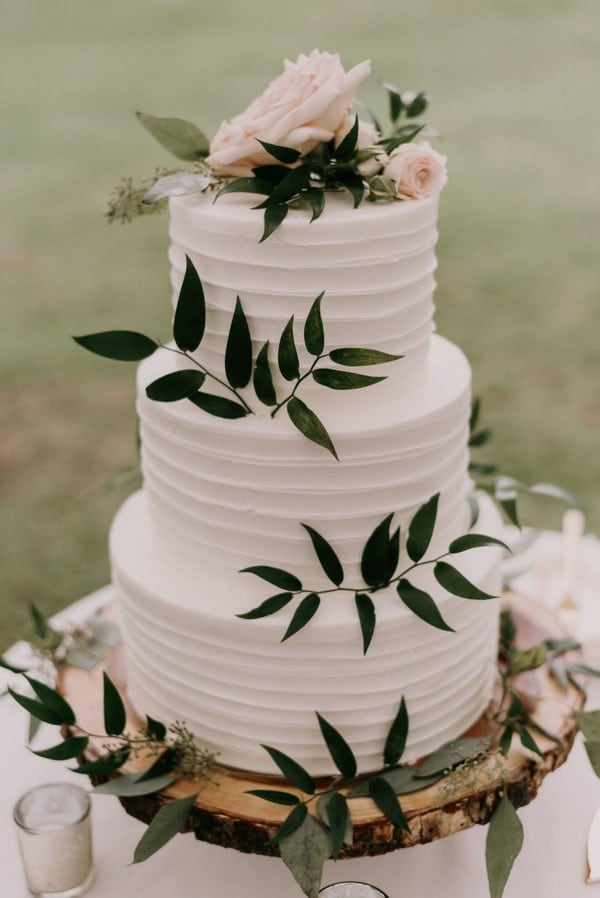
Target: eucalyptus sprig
<point>379,569</point>
<point>241,369</point>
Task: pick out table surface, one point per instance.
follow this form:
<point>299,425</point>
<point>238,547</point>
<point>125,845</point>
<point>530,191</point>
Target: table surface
<point>551,864</point>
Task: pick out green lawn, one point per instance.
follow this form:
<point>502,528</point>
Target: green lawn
<point>514,92</point>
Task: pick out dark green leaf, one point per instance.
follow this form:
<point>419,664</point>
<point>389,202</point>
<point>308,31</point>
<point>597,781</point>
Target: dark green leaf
<point>480,438</point>
<point>343,380</point>
<point>291,823</point>
<point>366,617</point>
<point>593,753</point>
<point>294,772</point>
<point>287,355</point>
<point>353,184</point>
<point>475,412</point>
<point>274,575</point>
<point>273,174</point>
<point>289,187</point>
<point>106,764</point>
<point>218,406</point>
<point>178,136</point>
<point>315,197</point>
<point>40,624</point>
<point>374,563</point>
<point>268,607</point>
<point>190,312</point>
<point>323,809</point>
<point>238,352</point>
<point>246,185</point>
<point>304,852</point>
<point>417,106</point>
<point>473,503</point>
<point>393,553</point>
<point>347,146</point>
<point>509,506</point>
<point>263,379</point>
<point>384,796</point>
<point>395,100</point>
<point>130,785</point>
<point>508,628</point>
<point>155,729</point>
<point>176,385</point>
<point>453,753</point>
<point>53,701</point>
<point>503,844</point>
<point>456,583</point>
<point>274,215</point>
<point>114,709</point>
<point>309,424</point>
<point>421,604</point>
<point>341,753</point>
<point>420,529</point>
<point>34,725</point>
<point>170,819</point>
<point>287,155</point>
<point>474,541</point>
<point>326,555</point>
<point>36,709</point>
<point>304,613</point>
<point>272,795</point>
<point>476,469</point>
<point>11,667</point>
<point>70,748</point>
<point>396,737</point>
<point>505,740</point>
<point>527,740</point>
<point>314,334</point>
<point>351,356</point>
<point>337,812</point>
<point>124,346</point>
<point>589,724</point>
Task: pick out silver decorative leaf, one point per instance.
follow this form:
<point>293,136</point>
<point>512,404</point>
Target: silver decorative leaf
<point>181,184</point>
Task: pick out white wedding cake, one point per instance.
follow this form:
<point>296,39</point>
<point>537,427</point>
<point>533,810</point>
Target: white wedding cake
<point>224,495</point>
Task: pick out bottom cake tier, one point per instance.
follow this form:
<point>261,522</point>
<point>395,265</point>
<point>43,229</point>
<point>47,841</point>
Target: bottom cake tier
<point>238,687</point>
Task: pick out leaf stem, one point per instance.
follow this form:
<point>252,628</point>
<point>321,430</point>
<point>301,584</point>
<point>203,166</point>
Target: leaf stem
<point>208,373</point>
<point>297,384</point>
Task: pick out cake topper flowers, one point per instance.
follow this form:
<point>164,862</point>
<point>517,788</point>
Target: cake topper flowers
<point>294,143</point>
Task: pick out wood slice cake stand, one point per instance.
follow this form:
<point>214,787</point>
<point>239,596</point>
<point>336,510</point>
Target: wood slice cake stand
<point>225,815</point>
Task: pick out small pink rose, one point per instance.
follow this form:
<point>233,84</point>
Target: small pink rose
<point>417,170</point>
<point>301,108</point>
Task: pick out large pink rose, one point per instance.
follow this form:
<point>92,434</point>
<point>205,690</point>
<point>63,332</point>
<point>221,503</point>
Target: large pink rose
<point>301,108</point>
<point>417,170</point>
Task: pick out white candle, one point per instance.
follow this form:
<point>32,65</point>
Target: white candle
<point>53,827</point>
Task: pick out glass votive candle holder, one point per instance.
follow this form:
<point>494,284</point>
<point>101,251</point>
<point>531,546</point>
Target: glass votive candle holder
<point>55,839</point>
<point>351,890</point>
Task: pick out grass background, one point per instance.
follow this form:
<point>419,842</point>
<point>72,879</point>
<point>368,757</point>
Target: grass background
<point>514,90</point>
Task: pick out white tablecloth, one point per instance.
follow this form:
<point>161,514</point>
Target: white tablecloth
<point>552,863</point>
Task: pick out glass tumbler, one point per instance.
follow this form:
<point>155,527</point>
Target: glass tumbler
<point>351,890</point>
<point>54,833</point>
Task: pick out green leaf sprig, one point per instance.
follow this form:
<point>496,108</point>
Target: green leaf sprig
<point>379,569</point>
<point>307,838</point>
<point>174,751</point>
<point>241,369</point>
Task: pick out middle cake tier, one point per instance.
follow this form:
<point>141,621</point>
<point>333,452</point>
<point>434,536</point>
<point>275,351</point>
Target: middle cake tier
<point>225,495</point>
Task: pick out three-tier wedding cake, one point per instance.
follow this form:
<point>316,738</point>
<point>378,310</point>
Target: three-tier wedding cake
<point>234,502</point>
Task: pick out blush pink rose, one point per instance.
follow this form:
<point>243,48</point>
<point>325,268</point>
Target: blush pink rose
<point>417,170</point>
<point>301,108</point>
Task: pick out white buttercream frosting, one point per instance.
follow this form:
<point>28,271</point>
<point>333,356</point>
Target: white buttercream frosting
<point>222,495</point>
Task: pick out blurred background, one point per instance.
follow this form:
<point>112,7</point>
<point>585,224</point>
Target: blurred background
<point>514,90</point>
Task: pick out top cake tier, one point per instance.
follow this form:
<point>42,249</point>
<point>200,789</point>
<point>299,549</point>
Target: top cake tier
<point>376,265</point>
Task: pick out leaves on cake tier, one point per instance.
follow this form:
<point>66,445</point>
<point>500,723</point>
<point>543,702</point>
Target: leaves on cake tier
<point>123,346</point>
<point>238,351</point>
<point>308,423</point>
<point>189,322</point>
<point>379,562</point>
